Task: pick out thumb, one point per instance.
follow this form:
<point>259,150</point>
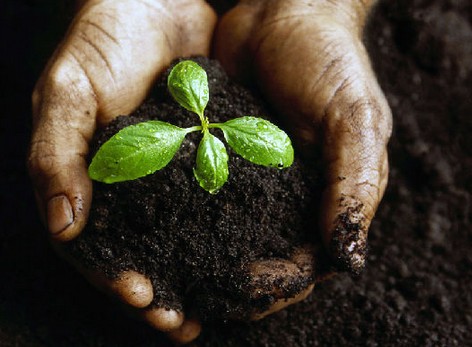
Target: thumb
<point>356,124</point>
<point>64,108</point>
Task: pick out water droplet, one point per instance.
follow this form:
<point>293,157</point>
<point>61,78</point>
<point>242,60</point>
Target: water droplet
<point>261,126</point>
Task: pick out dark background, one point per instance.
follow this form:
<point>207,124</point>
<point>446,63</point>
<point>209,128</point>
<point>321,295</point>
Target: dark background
<point>417,287</point>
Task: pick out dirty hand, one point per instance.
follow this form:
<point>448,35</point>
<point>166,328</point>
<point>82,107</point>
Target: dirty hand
<point>104,67</point>
<point>308,59</point>
<point>112,54</point>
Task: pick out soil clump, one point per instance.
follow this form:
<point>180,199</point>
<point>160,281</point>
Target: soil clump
<point>195,246</point>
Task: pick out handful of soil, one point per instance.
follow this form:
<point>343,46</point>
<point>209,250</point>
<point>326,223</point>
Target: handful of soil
<point>196,247</point>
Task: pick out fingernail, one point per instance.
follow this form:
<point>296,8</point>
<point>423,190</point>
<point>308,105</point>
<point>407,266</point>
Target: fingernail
<point>60,214</point>
<point>349,242</point>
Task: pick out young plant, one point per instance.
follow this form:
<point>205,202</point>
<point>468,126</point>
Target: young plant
<point>141,149</point>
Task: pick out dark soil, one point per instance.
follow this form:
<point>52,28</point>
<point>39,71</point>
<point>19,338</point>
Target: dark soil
<point>416,289</point>
<point>195,246</point>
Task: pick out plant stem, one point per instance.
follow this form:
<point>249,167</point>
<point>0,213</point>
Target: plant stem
<point>194,128</point>
<point>215,125</point>
<point>205,122</point>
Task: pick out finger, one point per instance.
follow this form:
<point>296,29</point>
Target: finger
<point>159,318</point>
<point>134,291</point>
<point>62,127</point>
<point>163,319</point>
<point>130,287</point>
<point>280,304</point>
<point>231,43</point>
<point>187,332</point>
<point>104,67</point>
<point>350,202</point>
<point>278,283</point>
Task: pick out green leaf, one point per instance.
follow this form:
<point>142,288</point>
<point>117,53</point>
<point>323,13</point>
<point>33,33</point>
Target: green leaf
<point>136,151</point>
<point>259,141</point>
<point>188,84</point>
<point>212,163</point>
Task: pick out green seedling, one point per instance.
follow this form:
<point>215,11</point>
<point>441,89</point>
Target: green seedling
<point>140,150</point>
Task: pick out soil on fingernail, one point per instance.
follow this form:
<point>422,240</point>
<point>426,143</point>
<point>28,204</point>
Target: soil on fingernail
<point>349,241</point>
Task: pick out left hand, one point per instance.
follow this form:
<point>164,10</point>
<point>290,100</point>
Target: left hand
<point>308,59</point>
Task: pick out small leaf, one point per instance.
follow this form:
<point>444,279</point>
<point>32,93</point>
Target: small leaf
<point>212,163</point>
<point>188,84</point>
<point>136,151</point>
<point>259,141</point>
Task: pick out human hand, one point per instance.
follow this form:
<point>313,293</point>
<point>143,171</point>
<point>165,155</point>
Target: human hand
<point>104,67</point>
<point>106,64</point>
<point>308,59</point>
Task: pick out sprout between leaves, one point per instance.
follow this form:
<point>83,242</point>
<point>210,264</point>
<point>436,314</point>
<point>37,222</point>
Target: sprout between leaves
<point>140,150</point>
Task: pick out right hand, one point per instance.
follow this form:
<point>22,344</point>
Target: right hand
<point>104,67</point>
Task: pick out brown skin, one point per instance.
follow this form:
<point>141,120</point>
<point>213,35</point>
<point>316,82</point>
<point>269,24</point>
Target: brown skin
<point>308,59</point>
<point>306,56</point>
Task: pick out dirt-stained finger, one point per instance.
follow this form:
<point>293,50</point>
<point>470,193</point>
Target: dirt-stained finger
<point>357,128</point>
<point>277,283</point>
<point>283,303</point>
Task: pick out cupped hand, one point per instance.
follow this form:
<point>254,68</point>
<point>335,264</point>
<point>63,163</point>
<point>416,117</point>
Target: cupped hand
<point>104,67</point>
<point>308,59</point>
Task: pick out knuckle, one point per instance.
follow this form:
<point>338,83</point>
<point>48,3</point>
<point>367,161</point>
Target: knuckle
<point>67,82</point>
<point>365,120</point>
<point>59,78</point>
<point>40,163</point>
